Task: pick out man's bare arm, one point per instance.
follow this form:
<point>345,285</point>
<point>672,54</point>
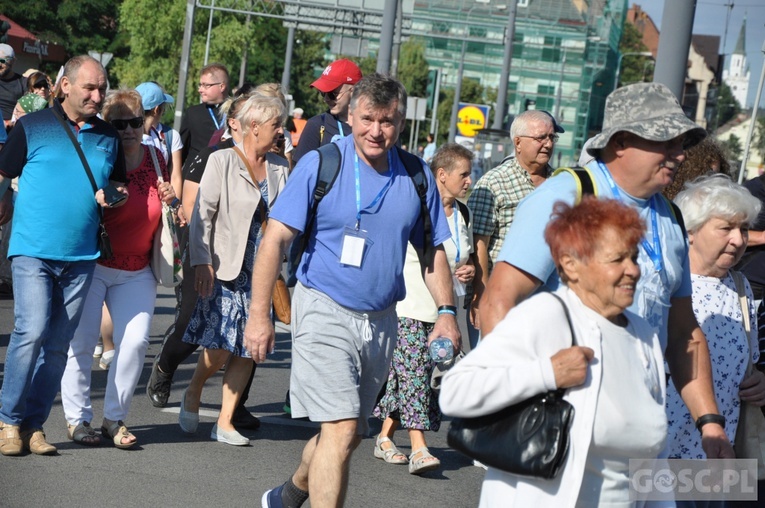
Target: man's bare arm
<point>259,331</point>
<point>508,286</point>
<point>438,279</point>
<point>687,355</point>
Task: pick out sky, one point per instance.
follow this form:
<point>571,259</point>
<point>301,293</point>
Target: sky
<point>710,20</point>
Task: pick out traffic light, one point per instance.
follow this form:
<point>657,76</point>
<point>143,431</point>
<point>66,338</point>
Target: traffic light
<point>4,27</point>
<point>430,90</point>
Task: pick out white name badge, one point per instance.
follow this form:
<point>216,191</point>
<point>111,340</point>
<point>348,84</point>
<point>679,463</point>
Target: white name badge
<point>352,253</point>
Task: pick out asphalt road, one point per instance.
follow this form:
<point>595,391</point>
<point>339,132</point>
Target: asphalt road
<point>170,469</point>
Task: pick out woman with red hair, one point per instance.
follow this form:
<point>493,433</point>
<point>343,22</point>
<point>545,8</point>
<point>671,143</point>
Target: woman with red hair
<point>612,367</point>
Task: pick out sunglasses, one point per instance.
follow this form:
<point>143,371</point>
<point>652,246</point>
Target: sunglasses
<point>334,94</point>
<point>41,84</point>
<point>121,125</point>
<point>6,60</point>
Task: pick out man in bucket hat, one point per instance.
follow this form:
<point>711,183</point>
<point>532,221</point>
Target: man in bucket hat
<point>335,85</point>
<point>645,133</point>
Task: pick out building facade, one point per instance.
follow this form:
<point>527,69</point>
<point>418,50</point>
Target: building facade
<point>563,59</point>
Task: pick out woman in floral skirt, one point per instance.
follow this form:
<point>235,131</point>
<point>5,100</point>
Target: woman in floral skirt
<point>408,400</point>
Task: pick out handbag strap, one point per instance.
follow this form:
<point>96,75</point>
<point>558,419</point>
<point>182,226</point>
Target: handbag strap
<point>568,317</point>
<point>738,279</point>
<point>156,163</point>
<point>261,204</point>
<point>78,148</point>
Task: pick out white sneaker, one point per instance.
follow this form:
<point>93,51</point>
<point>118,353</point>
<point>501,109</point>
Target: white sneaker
<point>106,359</point>
<point>99,349</point>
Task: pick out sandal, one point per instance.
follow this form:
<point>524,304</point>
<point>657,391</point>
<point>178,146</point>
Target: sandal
<point>424,463</point>
<point>83,434</point>
<point>390,455</point>
<point>116,431</point>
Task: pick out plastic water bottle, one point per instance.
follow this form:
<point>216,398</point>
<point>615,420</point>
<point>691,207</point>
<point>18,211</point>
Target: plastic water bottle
<point>441,350</point>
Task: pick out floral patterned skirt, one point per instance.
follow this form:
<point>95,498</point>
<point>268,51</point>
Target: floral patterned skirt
<point>218,320</point>
<point>408,397</point>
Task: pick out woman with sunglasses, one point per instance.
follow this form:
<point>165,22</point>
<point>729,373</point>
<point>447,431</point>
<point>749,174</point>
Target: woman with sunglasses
<point>125,283</point>
<point>39,84</point>
<point>37,97</point>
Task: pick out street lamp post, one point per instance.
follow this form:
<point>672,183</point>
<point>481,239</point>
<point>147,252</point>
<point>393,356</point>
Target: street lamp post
<point>619,63</point>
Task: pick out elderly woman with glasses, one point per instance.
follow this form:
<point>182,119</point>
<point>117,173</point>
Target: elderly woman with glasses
<point>125,283</point>
<point>717,214</point>
<point>613,372</point>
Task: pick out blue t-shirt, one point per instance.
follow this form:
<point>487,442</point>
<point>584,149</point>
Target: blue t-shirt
<point>55,214</point>
<point>525,247</point>
<point>390,224</point>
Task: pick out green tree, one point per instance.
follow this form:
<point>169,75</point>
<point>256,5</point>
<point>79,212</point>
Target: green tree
<point>727,105</point>
<point>733,146</point>
<point>78,25</point>
<point>307,64</point>
<point>155,54</point>
<point>413,67</point>
<point>634,68</point>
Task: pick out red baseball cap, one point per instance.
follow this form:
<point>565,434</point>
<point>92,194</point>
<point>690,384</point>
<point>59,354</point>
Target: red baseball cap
<point>339,72</point>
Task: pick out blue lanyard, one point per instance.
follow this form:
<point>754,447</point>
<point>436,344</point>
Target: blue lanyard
<point>218,124</point>
<point>340,129</point>
<point>455,211</point>
<point>654,252</point>
<point>379,194</point>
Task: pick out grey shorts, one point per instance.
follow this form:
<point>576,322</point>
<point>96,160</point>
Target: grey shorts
<point>340,358</point>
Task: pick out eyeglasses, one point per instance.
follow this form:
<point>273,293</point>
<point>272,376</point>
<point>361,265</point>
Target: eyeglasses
<point>207,86</point>
<point>334,94</point>
<point>121,125</point>
<point>41,84</point>
<point>541,139</point>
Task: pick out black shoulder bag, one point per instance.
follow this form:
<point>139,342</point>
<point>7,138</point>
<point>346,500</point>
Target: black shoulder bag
<point>528,439</point>
<point>104,245</point>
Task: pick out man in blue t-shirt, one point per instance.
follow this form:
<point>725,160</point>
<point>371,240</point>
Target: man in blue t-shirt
<point>350,278</point>
<point>53,243</point>
<point>636,156</point>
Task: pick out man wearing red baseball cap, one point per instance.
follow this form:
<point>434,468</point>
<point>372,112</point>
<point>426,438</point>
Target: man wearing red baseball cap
<point>335,85</point>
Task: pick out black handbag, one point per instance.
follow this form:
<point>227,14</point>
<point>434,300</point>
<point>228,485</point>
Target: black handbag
<point>528,439</point>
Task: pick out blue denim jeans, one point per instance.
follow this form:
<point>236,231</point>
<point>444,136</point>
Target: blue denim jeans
<point>49,297</point>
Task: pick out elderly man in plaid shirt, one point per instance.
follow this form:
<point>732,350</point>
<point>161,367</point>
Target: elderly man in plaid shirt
<point>497,194</point>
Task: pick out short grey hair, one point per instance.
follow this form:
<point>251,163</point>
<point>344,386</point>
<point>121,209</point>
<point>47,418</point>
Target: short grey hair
<point>521,123</point>
<point>260,109</point>
<point>380,91</point>
<point>716,195</point>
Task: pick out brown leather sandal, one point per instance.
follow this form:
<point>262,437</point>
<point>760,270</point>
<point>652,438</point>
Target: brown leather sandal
<point>83,434</point>
<point>116,431</point>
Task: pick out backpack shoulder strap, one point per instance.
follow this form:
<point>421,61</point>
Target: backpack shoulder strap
<point>417,174</point>
<point>329,167</point>
<point>585,183</point>
<point>676,213</point>
<point>464,211</point>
